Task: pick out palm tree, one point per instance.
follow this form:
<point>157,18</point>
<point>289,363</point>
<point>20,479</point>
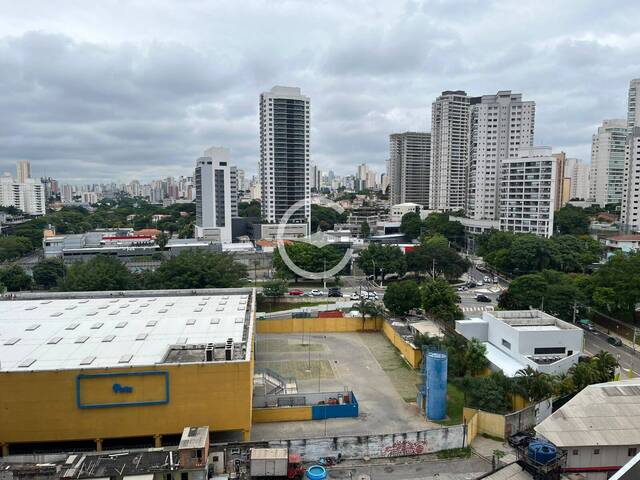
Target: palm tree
<point>584,374</point>
<point>535,385</point>
<point>475,357</point>
<point>605,365</point>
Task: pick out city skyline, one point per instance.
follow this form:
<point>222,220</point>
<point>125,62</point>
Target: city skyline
<point>150,99</point>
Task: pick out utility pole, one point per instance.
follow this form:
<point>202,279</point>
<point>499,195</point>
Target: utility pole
<point>575,307</point>
<point>433,268</point>
<point>324,274</point>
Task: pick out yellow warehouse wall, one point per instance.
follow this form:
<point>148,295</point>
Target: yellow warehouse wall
<point>41,405</point>
<point>281,414</point>
<point>489,423</point>
<point>318,325</point>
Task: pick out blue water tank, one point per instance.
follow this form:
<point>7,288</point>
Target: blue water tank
<point>542,452</point>
<point>436,379</point>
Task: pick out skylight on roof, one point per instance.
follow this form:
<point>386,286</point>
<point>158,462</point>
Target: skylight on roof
<point>81,339</point>
<point>125,358</point>
<point>54,340</point>
<point>141,336</point>
<point>32,327</point>
<point>87,360</point>
<point>27,362</point>
<point>12,341</point>
<point>72,326</point>
<point>96,325</point>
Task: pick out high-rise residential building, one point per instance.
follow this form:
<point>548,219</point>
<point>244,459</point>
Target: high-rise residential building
<point>578,174</point>
<point>408,169</point>
<point>23,170</point>
<point>633,105</point>
<point>607,162</point>
<point>284,154</point>
<point>562,186</point>
<point>449,151</point>
<point>500,125</point>
<point>28,196</point>
<point>527,192</point>
<point>214,177</point>
<point>315,176</point>
<point>630,208</point>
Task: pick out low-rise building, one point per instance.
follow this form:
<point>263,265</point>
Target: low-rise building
<point>625,243</point>
<point>599,428</point>
<point>519,339</point>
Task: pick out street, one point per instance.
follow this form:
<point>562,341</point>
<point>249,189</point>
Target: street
<point>596,341</point>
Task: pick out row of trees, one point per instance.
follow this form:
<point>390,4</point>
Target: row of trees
<point>188,270</point>
<point>435,224</point>
<point>521,254</point>
<point>434,296</point>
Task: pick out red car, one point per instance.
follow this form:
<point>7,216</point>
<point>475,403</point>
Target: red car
<point>296,292</point>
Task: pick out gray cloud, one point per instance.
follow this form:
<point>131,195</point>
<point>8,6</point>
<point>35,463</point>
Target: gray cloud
<point>106,93</point>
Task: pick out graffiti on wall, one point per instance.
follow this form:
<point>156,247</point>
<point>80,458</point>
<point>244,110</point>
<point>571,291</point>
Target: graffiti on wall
<point>403,448</point>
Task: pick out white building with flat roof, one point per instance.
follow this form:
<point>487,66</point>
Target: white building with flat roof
<point>28,196</point>
<point>607,162</point>
<point>599,429</point>
<point>519,339</point>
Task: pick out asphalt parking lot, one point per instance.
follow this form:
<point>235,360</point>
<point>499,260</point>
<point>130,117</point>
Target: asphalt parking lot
<point>335,362</point>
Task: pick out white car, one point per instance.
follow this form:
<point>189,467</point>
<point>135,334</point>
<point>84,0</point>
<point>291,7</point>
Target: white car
<point>370,295</point>
<point>480,283</point>
<point>486,279</point>
<point>354,297</point>
<point>316,293</point>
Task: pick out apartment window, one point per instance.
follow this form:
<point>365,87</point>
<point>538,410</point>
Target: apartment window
<point>549,350</point>
<point>184,476</point>
<point>596,451</point>
<point>575,451</point>
<point>506,344</point>
<point>632,452</point>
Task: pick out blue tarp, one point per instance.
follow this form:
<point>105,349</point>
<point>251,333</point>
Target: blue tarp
<point>322,412</point>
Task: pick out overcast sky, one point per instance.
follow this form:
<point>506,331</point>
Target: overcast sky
<point>117,90</point>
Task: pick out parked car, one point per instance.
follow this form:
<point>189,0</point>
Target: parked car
<point>472,284</point>
<point>462,288</point>
<point>480,283</point>
<point>615,341</point>
<point>520,439</point>
<point>355,297</point>
<point>296,291</point>
<point>486,279</point>
<point>334,292</point>
<point>482,298</point>
<point>586,324</point>
<point>370,295</point>
<point>316,293</point>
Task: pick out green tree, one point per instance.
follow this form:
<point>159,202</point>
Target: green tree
<point>274,288</point>
<point>439,224</point>
<point>411,225</point>
<point>365,229</point>
<point>98,274</point>
<point>400,297</point>
<point>490,393</point>
<point>570,220</point>
<point>308,257</point>
<point>14,247</point>
<point>250,209</point>
<point>583,374</point>
<point>325,218</point>
<point>605,365</point>
<point>384,259</point>
<point>435,256</point>
<point>162,239</point>
<point>617,283</point>
<point>440,300</point>
<point>48,272</point>
<point>475,357</point>
<point>197,269</point>
<point>15,279</point>
<point>534,385</point>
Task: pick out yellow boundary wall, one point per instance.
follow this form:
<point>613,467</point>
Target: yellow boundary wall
<point>281,414</point>
<point>412,354</point>
<point>318,325</point>
<point>489,423</point>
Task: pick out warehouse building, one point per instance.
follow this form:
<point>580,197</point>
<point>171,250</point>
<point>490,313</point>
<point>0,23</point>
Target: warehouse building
<point>599,428</point>
<point>98,370</point>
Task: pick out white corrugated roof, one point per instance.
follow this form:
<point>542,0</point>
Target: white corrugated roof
<point>101,332</point>
<point>602,414</point>
<point>510,472</point>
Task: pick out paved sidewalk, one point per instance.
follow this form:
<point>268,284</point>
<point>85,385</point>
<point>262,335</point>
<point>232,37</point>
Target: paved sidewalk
<point>485,447</point>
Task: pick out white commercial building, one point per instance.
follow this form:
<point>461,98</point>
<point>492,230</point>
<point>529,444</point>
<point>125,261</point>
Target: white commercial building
<point>501,125</point>
<point>396,212</point>
<point>630,209</point>
<point>607,162</point>
<point>28,196</point>
<point>578,174</point>
<point>519,339</point>
<point>599,428</point>
<point>449,151</point>
<point>215,198</point>
<point>408,167</point>
<point>527,192</point>
<point>284,154</point>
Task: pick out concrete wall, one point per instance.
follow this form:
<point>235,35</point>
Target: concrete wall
<point>489,423</point>
<point>473,329</point>
<point>378,446</point>
<point>282,414</point>
<point>569,338</point>
<point>411,354</point>
<point>318,325</point>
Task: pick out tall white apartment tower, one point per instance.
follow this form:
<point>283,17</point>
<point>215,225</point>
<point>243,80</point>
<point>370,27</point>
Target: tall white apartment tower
<point>23,170</point>
<point>501,124</point>
<point>28,196</point>
<point>607,162</point>
<point>284,153</point>
<point>633,105</point>
<point>214,178</point>
<point>630,209</point>
<point>578,174</point>
<point>408,168</point>
<point>449,151</point>
<point>527,192</point>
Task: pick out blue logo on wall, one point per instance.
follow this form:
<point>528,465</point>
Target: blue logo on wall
<point>117,388</point>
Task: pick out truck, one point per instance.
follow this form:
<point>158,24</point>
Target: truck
<point>275,463</point>
<point>586,324</point>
